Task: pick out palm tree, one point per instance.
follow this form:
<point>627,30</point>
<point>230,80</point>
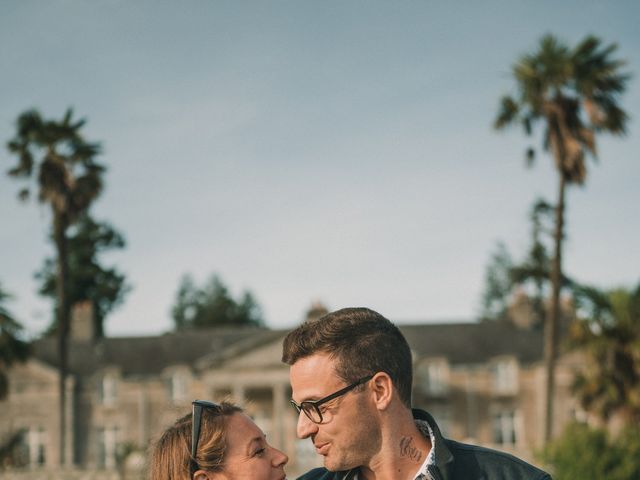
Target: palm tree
<point>68,179</point>
<point>12,347</point>
<point>574,93</point>
<point>608,333</point>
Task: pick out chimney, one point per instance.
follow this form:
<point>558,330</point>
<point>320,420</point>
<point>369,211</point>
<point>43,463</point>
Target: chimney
<point>82,321</point>
<point>521,311</point>
<point>315,311</point>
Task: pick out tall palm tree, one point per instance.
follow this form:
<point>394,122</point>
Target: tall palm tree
<point>68,179</point>
<point>608,333</point>
<point>574,94</point>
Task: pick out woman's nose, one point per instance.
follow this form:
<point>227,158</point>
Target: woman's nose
<point>279,458</point>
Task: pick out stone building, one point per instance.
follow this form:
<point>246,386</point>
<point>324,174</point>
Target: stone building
<point>483,382</point>
<point>121,392</point>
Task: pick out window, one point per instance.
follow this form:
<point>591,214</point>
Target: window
<point>504,428</point>
<point>505,376</point>
<point>177,381</point>
<point>434,377</point>
<point>442,416</point>
<point>263,419</point>
<point>108,389</point>
<point>579,415</point>
<point>32,449</point>
<point>178,387</point>
<point>107,447</point>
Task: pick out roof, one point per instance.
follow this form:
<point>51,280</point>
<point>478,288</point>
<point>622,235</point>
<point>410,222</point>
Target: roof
<point>143,355</point>
<point>463,343</point>
<point>460,343</point>
<point>239,348</point>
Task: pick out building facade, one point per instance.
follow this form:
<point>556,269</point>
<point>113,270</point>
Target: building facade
<point>483,382</point>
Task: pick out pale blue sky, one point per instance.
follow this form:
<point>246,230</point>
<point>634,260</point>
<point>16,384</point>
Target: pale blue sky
<point>331,150</point>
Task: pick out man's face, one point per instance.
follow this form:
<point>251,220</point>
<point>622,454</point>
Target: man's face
<point>349,435</point>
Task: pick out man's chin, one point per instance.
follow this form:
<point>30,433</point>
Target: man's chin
<point>328,464</point>
<point>333,466</point>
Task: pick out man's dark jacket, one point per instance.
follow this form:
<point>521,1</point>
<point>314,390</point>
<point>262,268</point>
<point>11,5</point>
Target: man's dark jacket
<point>455,461</point>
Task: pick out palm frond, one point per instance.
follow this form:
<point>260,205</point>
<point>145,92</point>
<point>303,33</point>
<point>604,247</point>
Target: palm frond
<point>530,156</point>
<point>507,113</point>
<point>564,87</point>
<point>588,138</point>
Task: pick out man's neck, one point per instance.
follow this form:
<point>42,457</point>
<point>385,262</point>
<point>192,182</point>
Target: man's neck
<point>403,451</point>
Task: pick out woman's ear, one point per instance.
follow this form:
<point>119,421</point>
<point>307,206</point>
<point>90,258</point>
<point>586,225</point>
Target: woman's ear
<point>200,475</point>
<point>382,387</point>
<point>204,475</point>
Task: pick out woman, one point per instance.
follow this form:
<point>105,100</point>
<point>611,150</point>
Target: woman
<point>215,442</point>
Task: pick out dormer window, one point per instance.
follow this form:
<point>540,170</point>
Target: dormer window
<point>108,389</point>
<point>434,376</point>
<point>177,386</point>
<point>505,376</point>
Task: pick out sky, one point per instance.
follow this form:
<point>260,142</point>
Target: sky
<point>333,151</point>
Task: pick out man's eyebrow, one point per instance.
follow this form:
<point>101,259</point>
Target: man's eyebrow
<point>311,398</point>
<point>306,399</point>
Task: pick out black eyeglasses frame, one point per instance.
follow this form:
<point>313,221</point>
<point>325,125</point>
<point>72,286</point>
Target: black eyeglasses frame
<point>315,404</point>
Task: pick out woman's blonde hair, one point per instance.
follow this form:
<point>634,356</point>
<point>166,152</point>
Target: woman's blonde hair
<point>170,457</point>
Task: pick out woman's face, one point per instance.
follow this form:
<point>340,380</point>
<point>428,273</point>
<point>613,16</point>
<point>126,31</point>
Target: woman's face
<point>248,455</point>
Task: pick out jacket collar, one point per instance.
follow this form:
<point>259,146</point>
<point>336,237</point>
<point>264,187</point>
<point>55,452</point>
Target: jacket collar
<point>349,475</point>
<point>441,456</point>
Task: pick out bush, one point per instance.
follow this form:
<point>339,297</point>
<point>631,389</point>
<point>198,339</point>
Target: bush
<point>588,453</point>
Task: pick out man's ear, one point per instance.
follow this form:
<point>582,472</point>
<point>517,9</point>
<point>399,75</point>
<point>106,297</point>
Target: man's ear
<point>383,392</point>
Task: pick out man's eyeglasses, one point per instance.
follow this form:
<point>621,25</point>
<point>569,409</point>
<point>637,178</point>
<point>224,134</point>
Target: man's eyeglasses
<point>196,420</point>
<point>311,408</point>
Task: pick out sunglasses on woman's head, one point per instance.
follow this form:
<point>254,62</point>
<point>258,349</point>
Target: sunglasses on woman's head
<point>196,421</point>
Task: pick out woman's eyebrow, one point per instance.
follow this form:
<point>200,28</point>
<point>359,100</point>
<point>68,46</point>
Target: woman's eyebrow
<point>255,440</point>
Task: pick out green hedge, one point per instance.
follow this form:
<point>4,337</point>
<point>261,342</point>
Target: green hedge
<point>584,453</point>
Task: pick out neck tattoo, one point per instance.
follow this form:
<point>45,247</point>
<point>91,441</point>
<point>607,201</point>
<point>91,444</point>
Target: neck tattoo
<point>409,450</point>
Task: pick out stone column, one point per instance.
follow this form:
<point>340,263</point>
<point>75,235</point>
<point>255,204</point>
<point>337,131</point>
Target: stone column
<point>238,390</point>
<point>472,406</point>
<point>71,421</point>
<point>143,414</point>
<point>279,401</point>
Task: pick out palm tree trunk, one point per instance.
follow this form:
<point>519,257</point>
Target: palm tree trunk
<point>551,325</point>
<point>59,233</point>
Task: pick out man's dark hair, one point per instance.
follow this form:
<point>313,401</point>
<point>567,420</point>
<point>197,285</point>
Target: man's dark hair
<point>361,341</point>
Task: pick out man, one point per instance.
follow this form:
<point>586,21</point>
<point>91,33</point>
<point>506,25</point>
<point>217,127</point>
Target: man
<point>351,375</point>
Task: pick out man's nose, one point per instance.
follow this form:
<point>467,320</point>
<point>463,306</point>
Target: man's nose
<point>305,427</point>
